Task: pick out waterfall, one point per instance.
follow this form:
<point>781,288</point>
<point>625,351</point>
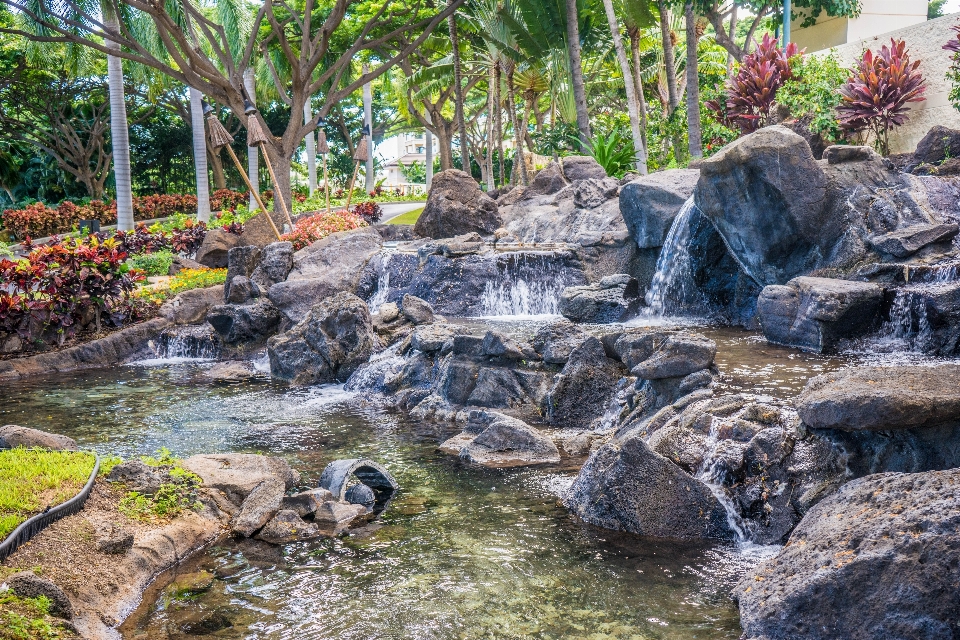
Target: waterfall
<point>189,342</point>
<point>529,285</point>
<point>673,288</point>
<point>383,284</point>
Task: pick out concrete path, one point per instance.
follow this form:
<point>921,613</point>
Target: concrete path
<point>393,209</point>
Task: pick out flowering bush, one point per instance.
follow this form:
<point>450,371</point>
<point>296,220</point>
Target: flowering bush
<point>185,280</point>
<point>369,211</point>
<point>751,93</point>
<point>875,98</point>
<point>308,230</point>
<point>61,287</point>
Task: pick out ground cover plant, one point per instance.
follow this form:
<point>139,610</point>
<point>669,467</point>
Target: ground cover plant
<point>30,619</point>
<point>176,494</point>
<point>184,280</point>
<point>33,479</point>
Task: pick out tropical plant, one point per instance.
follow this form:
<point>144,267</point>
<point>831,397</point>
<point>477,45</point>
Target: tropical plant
<point>613,152</point>
<point>369,211</point>
<point>877,96</point>
<point>308,230</point>
<point>953,73</point>
<point>153,264</point>
<point>752,92</point>
<point>812,94</point>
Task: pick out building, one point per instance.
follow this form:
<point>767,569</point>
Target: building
<point>410,148</point>
<point>876,17</point>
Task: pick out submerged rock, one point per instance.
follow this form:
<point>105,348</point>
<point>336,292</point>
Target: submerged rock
<point>306,503</point>
<point>287,526</point>
<point>624,485</point>
<point>328,345</point>
<point>455,206</point>
<point>614,299</point>
<point>497,440</point>
<point>876,560</point>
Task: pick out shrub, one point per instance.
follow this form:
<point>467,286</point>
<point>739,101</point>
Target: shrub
<point>876,96</point>
<point>153,264</point>
<point>752,92</point>
<point>613,152</point>
<point>308,230</point>
<point>953,73</point>
<point>369,211</point>
<point>812,92</point>
<point>63,286</point>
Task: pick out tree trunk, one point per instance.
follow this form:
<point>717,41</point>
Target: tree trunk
<point>119,131</point>
<point>253,157</point>
<point>518,174</point>
<point>498,123</point>
<point>669,61</point>
<point>370,178</point>
<point>694,132</point>
<point>282,165</point>
<point>632,106</point>
<point>216,164</point>
<point>638,81</point>
<point>200,155</point>
<point>428,148</point>
<point>733,35</point>
<point>458,93</point>
<point>489,129</point>
<point>576,72</point>
<point>445,146</point>
<point>311,150</point>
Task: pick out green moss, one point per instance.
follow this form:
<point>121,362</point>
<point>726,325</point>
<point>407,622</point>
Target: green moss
<point>32,479</point>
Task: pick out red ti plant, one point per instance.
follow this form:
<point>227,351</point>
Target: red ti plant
<point>876,97</point>
<point>752,92</point>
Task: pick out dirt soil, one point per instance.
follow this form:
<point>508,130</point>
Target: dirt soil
<point>105,588</point>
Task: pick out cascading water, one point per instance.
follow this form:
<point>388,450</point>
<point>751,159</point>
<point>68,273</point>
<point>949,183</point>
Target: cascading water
<point>673,288</point>
<point>383,284</point>
<point>529,285</point>
<point>194,342</point>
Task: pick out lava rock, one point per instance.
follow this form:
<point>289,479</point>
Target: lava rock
<point>328,345</point>
<point>497,440</point>
<point>939,144</point>
<point>555,341</point>
<point>287,526</point>
<point>137,476</point>
<point>907,241</point>
<point>237,474</point>
<point>584,388</point>
<point>416,310</point>
<point>191,307</point>
<point>214,249</point>
<point>249,323</point>
<point>840,153</point>
<point>333,517</point>
<point>306,503</point>
<point>676,357</point>
<point>242,289</point>
<point>818,313</point>
<point>548,181</point>
<point>593,192</point>
<point>582,168</point>
<point>625,486</point>
<point>455,206</point>
<point>614,299</point>
<point>431,337</point>
<point>230,372</point>
<point>259,507</point>
<point>13,436</point>
<point>887,543</point>
<point>882,398</point>
<point>932,316</point>
<point>650,203</point>
<point>276,262</point>
<point>241,261</point>
<point>27,584</point>
<point>180,263</point>
<point>258,230</point>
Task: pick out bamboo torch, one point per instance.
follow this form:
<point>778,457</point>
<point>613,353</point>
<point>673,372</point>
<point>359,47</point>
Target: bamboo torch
<point>360,156</point>
<point>220,137</point>
<point>323,149</point>
<point>257,137</point>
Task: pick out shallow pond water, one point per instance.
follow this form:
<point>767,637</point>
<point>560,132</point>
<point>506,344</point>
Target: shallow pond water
<point>461,552</point>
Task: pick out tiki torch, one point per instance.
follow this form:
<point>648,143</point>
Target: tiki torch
<point>257,137</point>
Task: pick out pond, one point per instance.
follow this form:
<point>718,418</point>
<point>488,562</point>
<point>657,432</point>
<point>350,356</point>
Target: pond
<point>461,552</point>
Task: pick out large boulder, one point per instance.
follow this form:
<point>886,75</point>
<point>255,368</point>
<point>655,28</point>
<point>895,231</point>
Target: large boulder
<point>258,230</point>
<point>496,440</point>
<point>276,262</point>
<point>582,168</point>
<point>676,356</point>
<point>624,485</point>
<point>940,144</point>
<point>324,268</point>
<point>548,181</point>
<point>215,248</point>
<point>237,474</point>
<point>650,203</point>
<point>878,559</point>
<point>334,338</point>
<point>909,240</point>
<point>12,436</point>
<point>455,206</point>
<point>241,261</point>
<point>584,388</point>
<point>882,398</point>
<point>615,298</point>
<point>259,507</point>
<point>248,323</point>
<point>818,313</point>
<point>191,307</point>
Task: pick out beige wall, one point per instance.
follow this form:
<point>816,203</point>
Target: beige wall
<point>876,16</point>
<point>924,42</point>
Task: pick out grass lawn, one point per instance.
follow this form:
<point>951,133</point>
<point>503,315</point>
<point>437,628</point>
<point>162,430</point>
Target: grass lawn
<point>410,217</point>
<point>32,479</point>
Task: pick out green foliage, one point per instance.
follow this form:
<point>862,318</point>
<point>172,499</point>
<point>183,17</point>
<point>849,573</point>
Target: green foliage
<point>29,619</point>
<point>415,172</point>
<point>953,73</point>
<point>153,264</point>
<point>32,479</point>
<point>935,9</point>
<point>812,91</point>
<point>185,280</point>
<point>164,457</point>
<point>558,139</point>
<point>107,463</point>
<point>173,497</point>
<point>614,152</point>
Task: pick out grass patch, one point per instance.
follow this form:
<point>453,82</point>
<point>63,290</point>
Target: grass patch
<point>29,619</point>
<point>32,479</point>
<point>410,217</point>
<point>177,494</point>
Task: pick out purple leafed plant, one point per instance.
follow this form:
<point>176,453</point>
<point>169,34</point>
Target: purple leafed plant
<point>752,92</point>
<point>876,97</point>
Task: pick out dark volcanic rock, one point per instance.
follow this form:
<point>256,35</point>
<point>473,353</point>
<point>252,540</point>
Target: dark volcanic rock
<point>137,476</point>
<point>650,203</point>
<point>555,341</point>
<point>626,486</point>
<point>584,388</point>
<point>242,289</point>
<point>249,323</point>
<point>416,310</point>
<point>548,181</point>
<point>677,356</point>
<point>276,262</point>
<point>818,313</point>
<point>27,584</point>
<point>215,247</point>
<point>241,261</point>
<point>582,168</point>
<point>455,206</point>
<point>882,399</point>
<point>496,440</point>
<point>907,241</point>
<point>939,144</point>
<point>285,527</point>
<point>334,338</point>
<point>876,560</point>
<point>928,316</point>
<point>614,299</point>
<point>593,192</point>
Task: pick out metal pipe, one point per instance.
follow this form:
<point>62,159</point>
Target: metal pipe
<point>786,23</point>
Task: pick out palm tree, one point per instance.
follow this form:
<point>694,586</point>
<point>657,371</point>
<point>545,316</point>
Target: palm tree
<point>119,131</point>
<point>669,62</point>
<point>576,71</point>
<point>633,106</point>
<point>694,131</point>
<point>458,92</point>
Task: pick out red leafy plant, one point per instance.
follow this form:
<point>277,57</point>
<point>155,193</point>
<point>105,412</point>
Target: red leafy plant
<point>308,230</point>
<point>370,211</point>
<point>752,92</point>
<point>876,97</point>
<point>64,286</point>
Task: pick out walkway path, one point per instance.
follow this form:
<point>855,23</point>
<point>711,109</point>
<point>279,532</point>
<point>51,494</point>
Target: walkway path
<point>393,209</point>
